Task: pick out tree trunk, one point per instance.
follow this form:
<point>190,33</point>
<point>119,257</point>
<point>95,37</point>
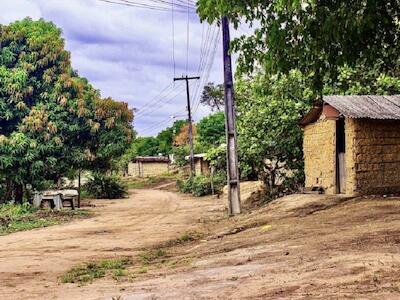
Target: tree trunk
<point>19,193</point>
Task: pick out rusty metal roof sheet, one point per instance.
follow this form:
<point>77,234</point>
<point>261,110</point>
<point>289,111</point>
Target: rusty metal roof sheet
<point>160,159</point>
<point>370,107</point>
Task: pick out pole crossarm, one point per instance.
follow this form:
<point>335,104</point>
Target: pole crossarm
<point>186,78</point>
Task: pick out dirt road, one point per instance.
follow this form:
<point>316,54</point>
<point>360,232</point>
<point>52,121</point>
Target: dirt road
<point>32,261</point>
<point>298,247</point>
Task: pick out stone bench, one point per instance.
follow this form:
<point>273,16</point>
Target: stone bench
<point>56,198</point>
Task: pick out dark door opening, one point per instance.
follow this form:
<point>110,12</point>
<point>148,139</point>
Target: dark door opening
<point>340,157</point>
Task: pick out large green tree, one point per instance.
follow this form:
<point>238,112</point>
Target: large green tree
<point>313,36</point>
<point>51,120</point>
<point>211,130</point>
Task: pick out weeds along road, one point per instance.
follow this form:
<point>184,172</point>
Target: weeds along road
<point>297,247</point>
<point>32,261</point>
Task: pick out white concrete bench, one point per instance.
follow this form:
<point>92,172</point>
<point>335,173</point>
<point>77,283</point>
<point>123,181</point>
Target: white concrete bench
<point>56,198</point>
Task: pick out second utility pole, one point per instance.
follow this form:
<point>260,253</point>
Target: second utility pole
<point>186,78</point>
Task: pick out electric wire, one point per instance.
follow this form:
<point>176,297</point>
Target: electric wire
<point>149,112</point>
<point>147,6</point>
<point>173,36</point>
<point>206,76</point>
<point>187,38</point>
<point>156,98</point>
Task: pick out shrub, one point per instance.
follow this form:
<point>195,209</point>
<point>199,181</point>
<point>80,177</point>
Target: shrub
<point>201,185</point>
<point>102,186</point>
<point>184,185</point>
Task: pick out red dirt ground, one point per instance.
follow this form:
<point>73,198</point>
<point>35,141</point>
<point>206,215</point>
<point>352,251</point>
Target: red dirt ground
<point>298,247</point>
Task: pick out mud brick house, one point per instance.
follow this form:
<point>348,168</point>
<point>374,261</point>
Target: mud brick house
<point>201,166</point>
<point>149,166</point>
<point>352,145</point>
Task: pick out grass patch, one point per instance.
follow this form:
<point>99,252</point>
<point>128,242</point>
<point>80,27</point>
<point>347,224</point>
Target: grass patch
<point>15,218</point>
<point>118,268</point>
<point>149,257</point>
<point>88,272</point>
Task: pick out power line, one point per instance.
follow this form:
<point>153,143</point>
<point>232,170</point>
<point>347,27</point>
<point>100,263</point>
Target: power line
<point>163,3</point>
<point>208,62</point>
<point>148,112</point>
<point>187,38</point>
<point>155,98</point>
<point>208,72</point>
<point>173,36</point>
<point>204,54</point>
<point>146,6</point>
<point>163,122</point>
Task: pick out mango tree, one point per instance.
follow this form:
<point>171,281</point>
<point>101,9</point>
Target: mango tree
<point>51,120</point>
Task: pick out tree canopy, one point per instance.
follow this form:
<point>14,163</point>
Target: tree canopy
<point>167,136</point>
<point>313,36</point>
<point>211,130</point>
<point>213,96</point>
<point>51,120</point>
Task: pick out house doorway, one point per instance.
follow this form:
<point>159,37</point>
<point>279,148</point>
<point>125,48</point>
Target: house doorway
<point>340,157</point>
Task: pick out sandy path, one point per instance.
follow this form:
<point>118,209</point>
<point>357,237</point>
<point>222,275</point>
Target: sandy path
<point>298,247</point>
<point>32,261</point>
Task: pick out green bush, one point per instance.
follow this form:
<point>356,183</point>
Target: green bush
<point>102,186</point>
<point>219,181</point>
<point>184,185</point>
<point>201,185</point>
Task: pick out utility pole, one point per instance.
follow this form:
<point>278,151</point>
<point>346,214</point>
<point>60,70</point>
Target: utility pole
<point>186,78</point>
<point>230,125</point>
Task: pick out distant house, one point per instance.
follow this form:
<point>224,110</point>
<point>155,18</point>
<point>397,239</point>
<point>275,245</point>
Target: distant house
<point>352,145</point>
<point>201,166</point>
<point>149,166</point>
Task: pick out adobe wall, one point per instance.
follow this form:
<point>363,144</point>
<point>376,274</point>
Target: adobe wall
<point>320,155</point>
<point>133,169</point>
<point>147,169</point>
<point>351,129</point>
<point>201,167</point>
<point>376,156</point>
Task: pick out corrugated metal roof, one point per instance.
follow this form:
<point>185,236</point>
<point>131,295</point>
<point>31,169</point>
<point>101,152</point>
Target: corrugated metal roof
<point>160,159</point>
<point>370,107</point>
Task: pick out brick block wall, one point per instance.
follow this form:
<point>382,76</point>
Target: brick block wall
<point>149,169</point>
<point>320,155</point>
<point>201,167</point>
<point>351,129</point>
<point>133,169</point>
<point>376,156</point>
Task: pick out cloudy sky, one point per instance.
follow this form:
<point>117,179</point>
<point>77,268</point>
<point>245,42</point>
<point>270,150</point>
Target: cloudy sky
<point>127,53</point>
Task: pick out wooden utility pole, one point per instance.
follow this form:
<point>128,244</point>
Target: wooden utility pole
<point>230,125</point>
<point>186,78</point>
